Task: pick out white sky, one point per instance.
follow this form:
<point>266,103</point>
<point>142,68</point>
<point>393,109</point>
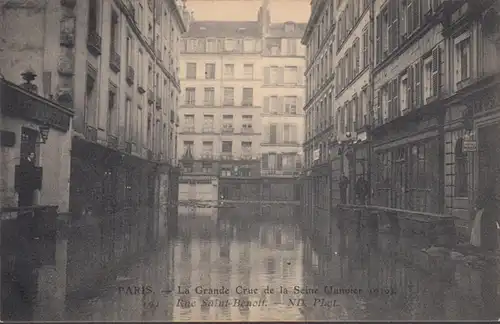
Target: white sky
<point>240,10</point>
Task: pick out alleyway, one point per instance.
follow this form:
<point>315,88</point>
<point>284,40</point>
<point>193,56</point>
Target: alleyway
<point>355,274</point>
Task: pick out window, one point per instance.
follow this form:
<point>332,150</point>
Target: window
<point>140,71</point>
<point>93,17</point>
<point>274,104</point>
<point>111,122</point>
<point>208,123</point>
<point>290,75</point>
<point>247,124</point>
<point>248,71</point>
<point>273,133</point>
<point>249,45</point>
<point>404,94</point>
<point>209,97</point>
<point>229,71</point>
<point>289,161</point>
<point>210,71</point>
<point>189,120</point>
<point>227,146</point>
<point>228,96</point>
<point>246,147</point>
<point>229,45</point>
<point>247,97</point>
<point>206,167</point>
<point>129,52</point>
<point>462,57</point>
<point>208,147</point>
<point>290,133</point>
<point>273,76</point>
<point>190,96</point>
<point>291,105</point>
<point>140,126</point>
<point>211,45</point>
<point>191,71</point>
<point>427,78</point>
<point>114,41</point>
<point>192,45</point>
<point>188,147</point>
<point>355,50</point>
<point>461,174</point>
<point>128,119</point>
<point>227,123</point>
<point>291,46</point>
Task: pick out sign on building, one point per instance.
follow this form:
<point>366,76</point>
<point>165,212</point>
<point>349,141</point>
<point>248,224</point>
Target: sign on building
<point>469,146</point>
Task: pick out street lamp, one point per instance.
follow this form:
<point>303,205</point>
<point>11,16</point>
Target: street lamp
<point>44,133</point>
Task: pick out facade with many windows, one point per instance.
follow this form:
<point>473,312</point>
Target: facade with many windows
<point>220,121</point>
<point>321,166</point>
<point>434,104</point>
<point>240,108</point>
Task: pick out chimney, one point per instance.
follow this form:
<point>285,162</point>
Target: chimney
<point>264,16</point>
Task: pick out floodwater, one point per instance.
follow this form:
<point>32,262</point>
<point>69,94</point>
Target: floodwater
<point>261,268</point>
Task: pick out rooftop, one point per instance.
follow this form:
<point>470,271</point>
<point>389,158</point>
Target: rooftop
<point>235,29</point>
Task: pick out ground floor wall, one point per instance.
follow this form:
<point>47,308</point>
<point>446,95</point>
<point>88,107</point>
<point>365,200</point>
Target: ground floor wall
<point>116,206</point>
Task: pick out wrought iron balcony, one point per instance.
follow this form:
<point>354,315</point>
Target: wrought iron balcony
<point>207,156</point>
<point>151,96</point>
<point>130,75</point>
<point>248,156</point>
<point>94,42</point>
<point>227,129</point>
<point>188,129</point>
<point>114,61</point>
<point>112,141</point>
<point>208,130</point>
<point>247,130</point>
<point>226,156</point>
<point>281,173</point>
<point>90,133</point>
<point>247,104</point>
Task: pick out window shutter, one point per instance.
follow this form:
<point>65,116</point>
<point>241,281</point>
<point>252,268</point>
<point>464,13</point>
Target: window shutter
<point>265,161</point>
<point>281,104</point>
<point>267,75</point>
<point>416,13</point>
<point>281,75</point>
<point>379,107</point>
<point>266,105</point>
<point>418,84</point>
<point>395,97</point>
<point>389,113</point>
<point>390,26</point>
<point>279,161</point>
<point>300,105</point>
<point>378,42</point>
<point>409,18</point>
<point>300,75</point>
<point>267,133</point>
<point>279,133</point>
<point>361,121</point>
<point>293,135</point>
<point>409,89</point>
<point>435,70</point>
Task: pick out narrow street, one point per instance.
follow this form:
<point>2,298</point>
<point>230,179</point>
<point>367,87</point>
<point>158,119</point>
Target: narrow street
<point>219,269</point>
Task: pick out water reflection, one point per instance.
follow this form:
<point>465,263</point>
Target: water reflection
<point>250,251</point>
<point>389,288</point>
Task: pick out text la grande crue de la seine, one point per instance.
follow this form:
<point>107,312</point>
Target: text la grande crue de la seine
<point>244,290</point>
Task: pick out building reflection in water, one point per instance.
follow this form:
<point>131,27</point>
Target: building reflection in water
<point>372,262</point>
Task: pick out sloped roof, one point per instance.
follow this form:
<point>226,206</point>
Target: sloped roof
<point>278,30</point>
<point>235,29</point>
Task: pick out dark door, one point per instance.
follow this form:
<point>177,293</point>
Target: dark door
<point>489,156</point>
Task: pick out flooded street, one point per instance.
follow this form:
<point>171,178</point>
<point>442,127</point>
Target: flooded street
<point>261,268</point>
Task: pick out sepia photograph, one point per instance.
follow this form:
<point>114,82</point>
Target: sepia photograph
<point>249,160</point>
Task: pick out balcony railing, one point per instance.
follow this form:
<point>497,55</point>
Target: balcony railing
<point>151,96</point>
<point>247,104</point>
<point>248,156</point>
<point>226,156</point>
<point>130,75</point>
<point>94,42</point>
<point>112,141</point>
<point>268,142</point>
<point>188,129</point>
<point>247,130</point>
<point>90,133</point>
<point>207,156</point>
<point>276,172</point>
<point>227,130</point>
<point>114,61</point>
<point>208,130</point>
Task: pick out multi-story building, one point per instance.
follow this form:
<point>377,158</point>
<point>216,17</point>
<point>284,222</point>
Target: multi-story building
<point>282,92</point>
<point>220,110</point>
<point>436,104</point>
<point>114,65</point>
<point>320,119</point>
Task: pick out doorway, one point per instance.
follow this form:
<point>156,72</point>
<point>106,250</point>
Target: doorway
<point>489,156</point>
